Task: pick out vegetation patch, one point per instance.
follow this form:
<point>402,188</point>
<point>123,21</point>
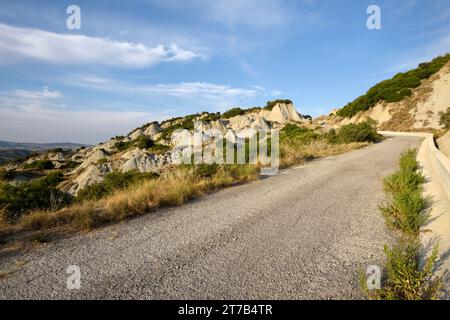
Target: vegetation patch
<point>25,197</point>
<point>112,182</point>
<point>444,118</point>
<point>405,214</point>
<point>6,175</point>
<point>40,165</point>
<point>270,104</point>
<point>141,142</point>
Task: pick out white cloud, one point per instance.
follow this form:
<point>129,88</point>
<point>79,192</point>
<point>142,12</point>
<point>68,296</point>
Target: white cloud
<point>39,95</point>
<point>198,90</point>
<point>30,101</point>
<point>23,43</point>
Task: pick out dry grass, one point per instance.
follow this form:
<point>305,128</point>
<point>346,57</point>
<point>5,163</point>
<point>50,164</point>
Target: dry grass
<point>296,153</point>
<point>173,188</point>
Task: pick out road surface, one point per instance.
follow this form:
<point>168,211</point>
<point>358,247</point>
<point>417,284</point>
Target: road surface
<point>303,234</point>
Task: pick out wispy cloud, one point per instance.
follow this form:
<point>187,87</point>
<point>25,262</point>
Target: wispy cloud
<point>257,14</point>
<point>200,90</point>
<point>43,94</point>
<point>30,100</point>
<point>17,44</point>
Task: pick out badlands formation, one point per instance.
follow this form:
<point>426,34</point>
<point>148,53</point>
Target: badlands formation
<point>90,165</point>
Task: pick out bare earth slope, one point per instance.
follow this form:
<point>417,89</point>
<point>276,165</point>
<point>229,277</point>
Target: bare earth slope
<point>302,234</point>
<point>418,112</point>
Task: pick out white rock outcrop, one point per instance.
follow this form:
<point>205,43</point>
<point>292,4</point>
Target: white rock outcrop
<point>91,159</point>
<point>152,130</point>
<point>90,175</point>
<point>136,134</point>
<point>282,113</point>
<point>144,161</point>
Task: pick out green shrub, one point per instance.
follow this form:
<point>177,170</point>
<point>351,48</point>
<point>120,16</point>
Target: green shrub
<point>70,164</point>
<point>403,181</point>
<point>300,134</point>
<point>39,194</point>
<point>361,132</point>
<point>112,182</point>
<point>444,118</point>
<point>233,113</point>
<point>5,175</point>
<point>102,161</point>
<point>211,117</point>
<point>408,163</point>
<point>187,124</point>
<point>270,104</point>
<point>406,213</point>
<point>143,142</point>
<point>205,170</point>
<point>159,148</point>
<point>40,165</point>
<point>122,145</point>
<point>405,210</point>
<point>406,279</point>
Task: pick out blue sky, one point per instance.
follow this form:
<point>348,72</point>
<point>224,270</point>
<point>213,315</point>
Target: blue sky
<point>137,61</point>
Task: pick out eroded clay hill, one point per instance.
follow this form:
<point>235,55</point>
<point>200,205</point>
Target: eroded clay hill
<point>418,108</point>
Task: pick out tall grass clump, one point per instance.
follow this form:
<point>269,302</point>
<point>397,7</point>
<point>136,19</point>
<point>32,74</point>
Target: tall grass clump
<point>406,213</point>
<point>406,208</point>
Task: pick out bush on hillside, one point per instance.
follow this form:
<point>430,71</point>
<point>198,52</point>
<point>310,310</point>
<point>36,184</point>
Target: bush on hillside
<point>360,132</point>
<point>112,182</point>
<point>444,118</point>
<point>270,104</point>
<point>159,148</point>
<point>5,175</point>
<point>143,142</point>
<point>233,113</point>
<point>40,165</point>
<point>187,124</point>
<point>39,194</point>
<point>301,134</point>
<point>211,117</point>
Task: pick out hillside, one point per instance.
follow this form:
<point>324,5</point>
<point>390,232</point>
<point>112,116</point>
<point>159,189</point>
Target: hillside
<point>409,101</point>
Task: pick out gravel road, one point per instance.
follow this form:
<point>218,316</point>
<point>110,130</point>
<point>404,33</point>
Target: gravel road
<point>302,234</point>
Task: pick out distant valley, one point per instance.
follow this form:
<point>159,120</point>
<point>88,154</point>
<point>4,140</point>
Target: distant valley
<point>15,150</point>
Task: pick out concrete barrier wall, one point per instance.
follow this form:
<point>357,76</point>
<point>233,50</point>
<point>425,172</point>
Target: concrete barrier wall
<point>439,162</point>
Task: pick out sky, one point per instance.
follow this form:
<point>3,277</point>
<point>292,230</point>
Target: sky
<point>138,61</point>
